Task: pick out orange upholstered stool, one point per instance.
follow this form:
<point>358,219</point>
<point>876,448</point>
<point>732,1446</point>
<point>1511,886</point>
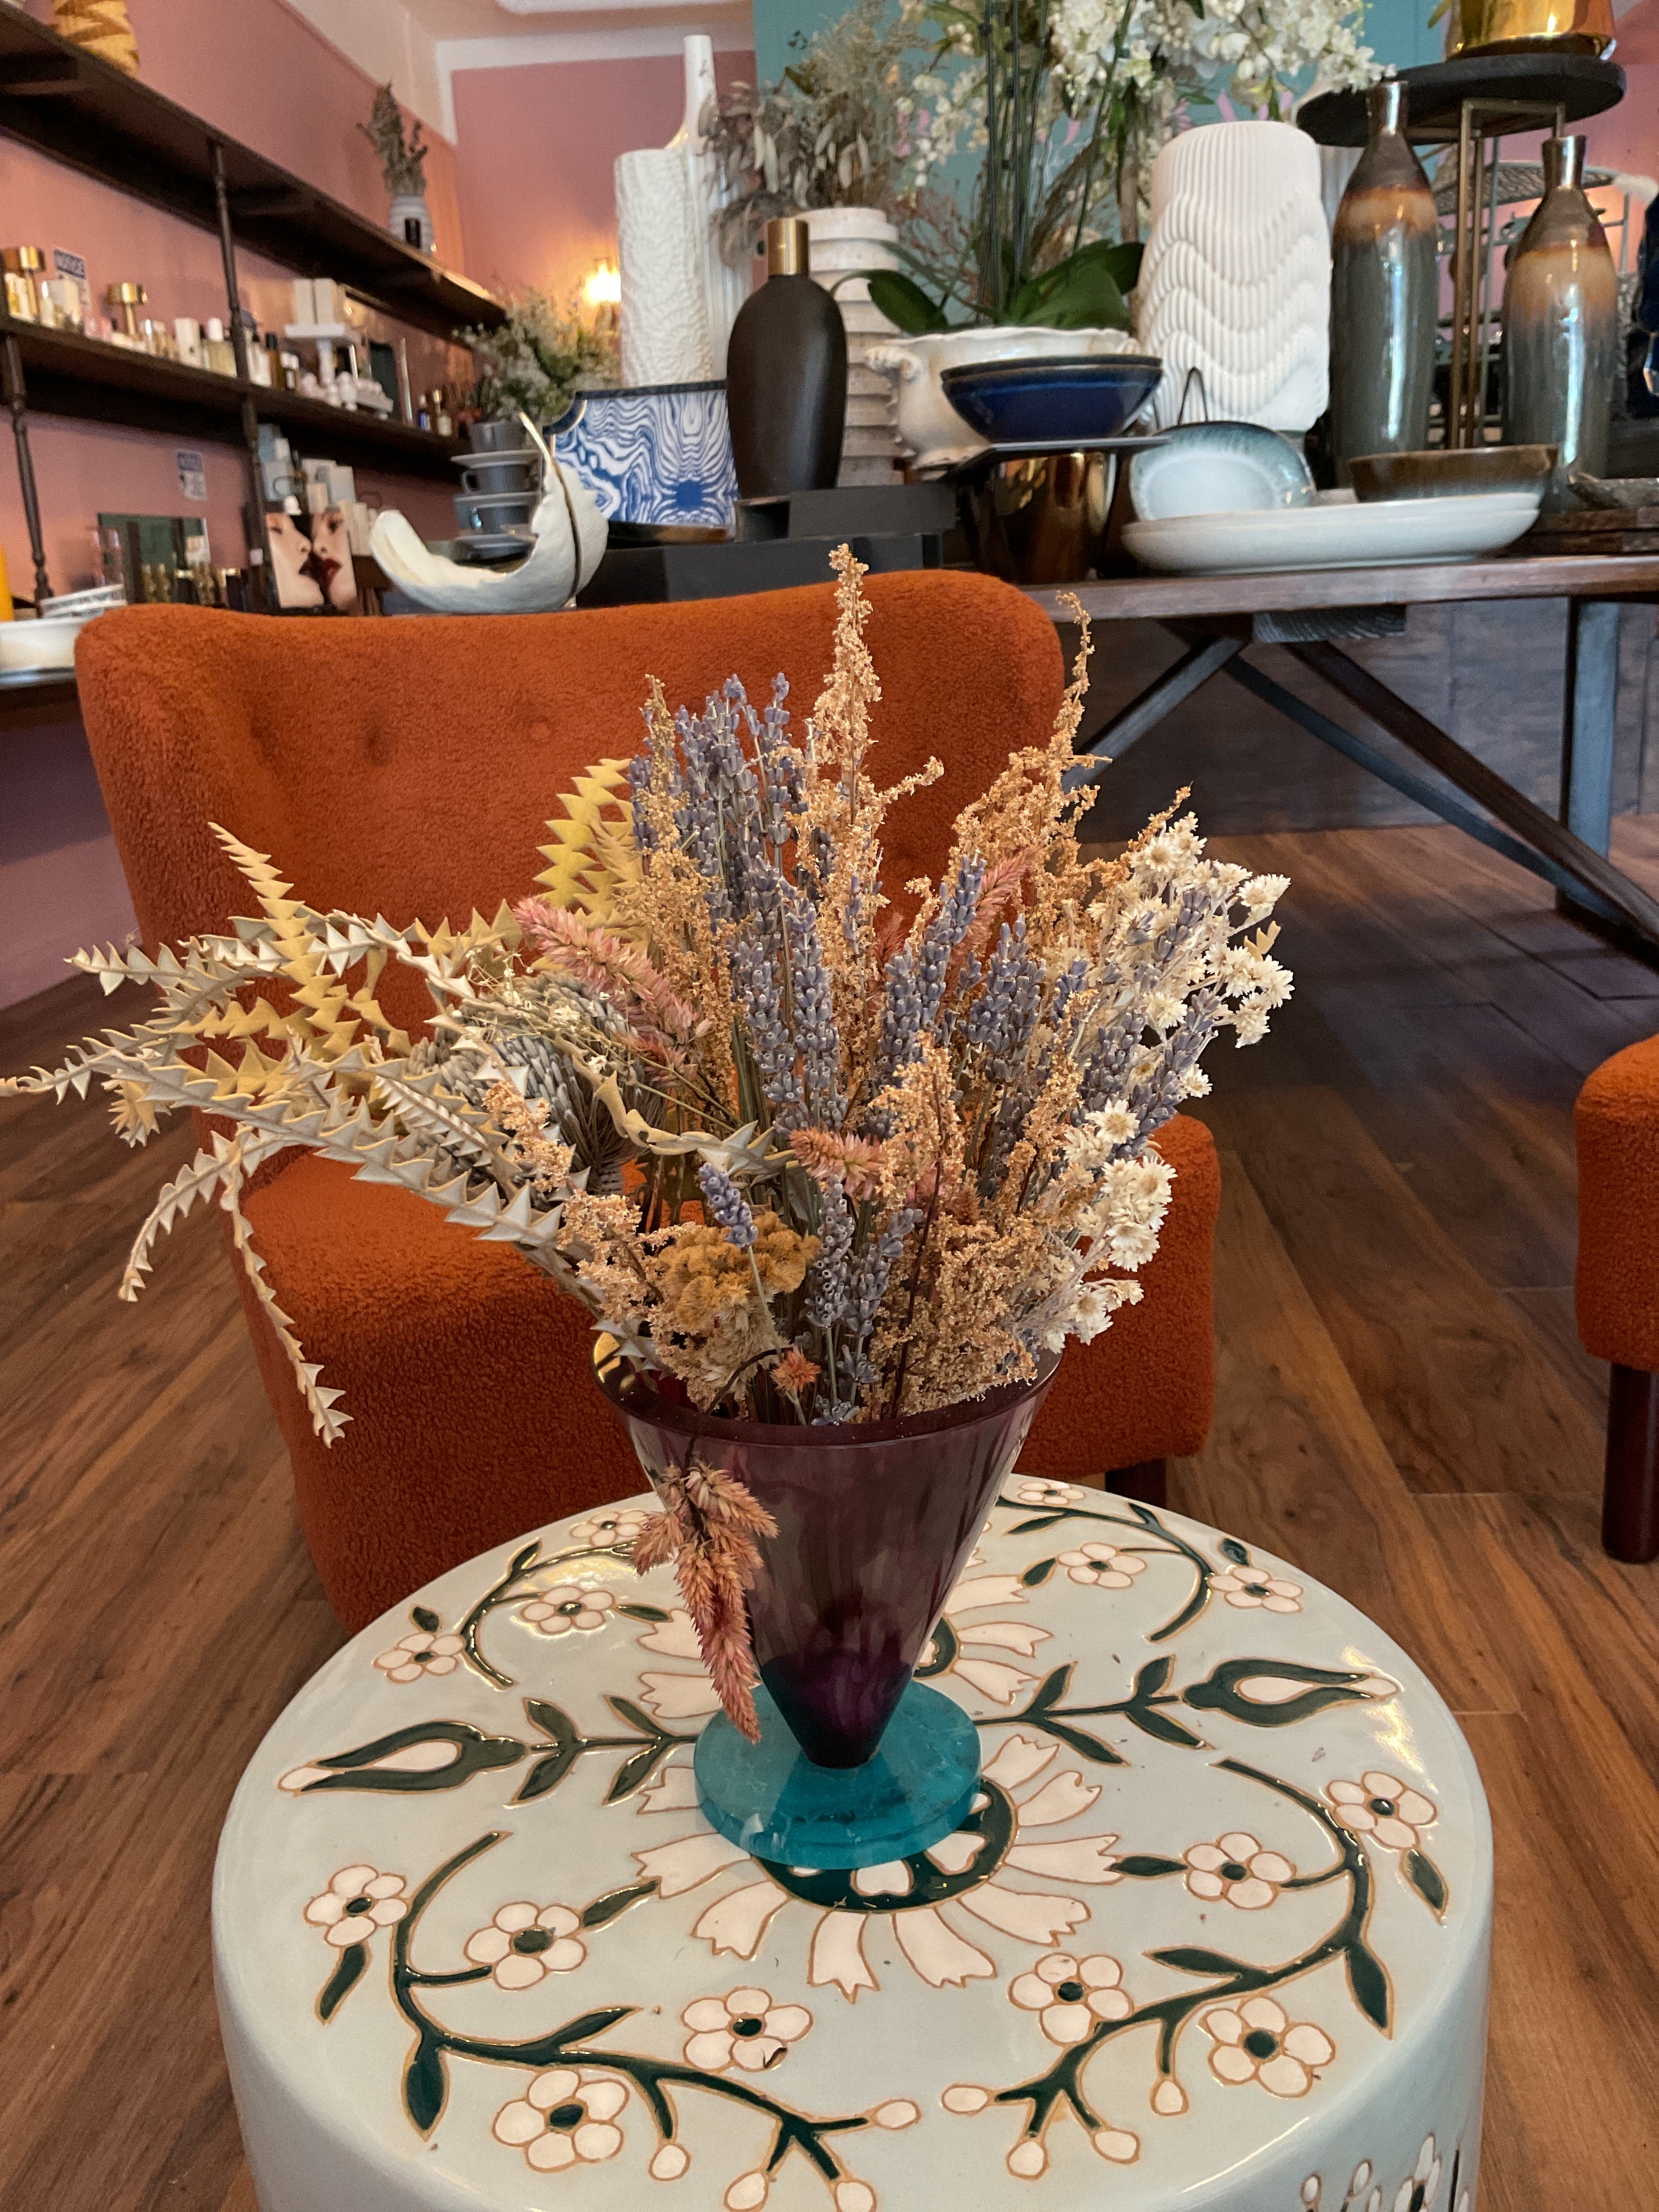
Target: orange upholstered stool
<point>1616,1124</point>
<point>407,767</point>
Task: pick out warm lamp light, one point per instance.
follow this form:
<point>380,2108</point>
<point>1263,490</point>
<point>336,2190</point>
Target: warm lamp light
<point>603,288</point>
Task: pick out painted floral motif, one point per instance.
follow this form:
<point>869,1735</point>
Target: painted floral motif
<point>1103,1565</point>
<point>585,1605</point>
<point>1249,1586</point>
<point>1420,2189</point>
<point>1033,1492</point>
<point>1237,1869</point>
<point>1383,1808</point>
<point>1070,1995</point>
<point>743,2028</point>
<point>420,1653</point>
<point>617,1524</point>
<point>358,1900</point>
<point>1256,2041</point>
<point>1004,1831</point>
<point>995,1679</point>
<point>524,1943</point>
<point>564,2118</point>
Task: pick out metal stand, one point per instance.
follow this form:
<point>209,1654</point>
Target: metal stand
<point>258,548</point>
<point>1481,122</point>
<point>18,400</point>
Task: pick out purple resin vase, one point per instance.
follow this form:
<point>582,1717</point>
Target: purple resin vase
<point>875,1521</point>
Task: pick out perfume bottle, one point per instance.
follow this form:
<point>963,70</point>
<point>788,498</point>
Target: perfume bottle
<point>217,352</point>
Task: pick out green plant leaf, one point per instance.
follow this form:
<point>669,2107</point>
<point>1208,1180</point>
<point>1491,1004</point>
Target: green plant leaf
<point>626,1710</point>
<point>1188,1958</point>
<point>1152,1722</point>
<point>605,1908</point>
<point>425,2084</point>
<point>1426,1879</point>
<point>1368,1982</point>
<point>423,1617</point>
<point>902,300</point>
<point>1039,1571</point>
<point>1080,1740</point>
<point>1082,292</point>
<point>1147,1866</point>
<point>635,1772</point>
<point>344,1978</point>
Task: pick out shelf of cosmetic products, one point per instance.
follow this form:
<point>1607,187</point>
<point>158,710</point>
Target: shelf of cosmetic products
<point>81,110</point>
<point>93,381</point>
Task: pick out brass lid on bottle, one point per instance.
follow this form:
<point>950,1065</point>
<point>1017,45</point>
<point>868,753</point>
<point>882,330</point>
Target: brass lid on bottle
<point>1563,162</point>
<point>23,260</point>
<point>789,247</point>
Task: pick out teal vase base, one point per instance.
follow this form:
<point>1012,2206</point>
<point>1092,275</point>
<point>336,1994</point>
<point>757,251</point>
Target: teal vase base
<point>768,1797</point>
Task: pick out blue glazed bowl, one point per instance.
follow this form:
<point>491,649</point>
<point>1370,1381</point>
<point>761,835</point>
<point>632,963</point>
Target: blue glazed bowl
<point>1026,402</point>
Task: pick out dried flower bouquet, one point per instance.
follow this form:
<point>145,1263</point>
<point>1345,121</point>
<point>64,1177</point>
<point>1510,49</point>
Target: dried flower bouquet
<point>819,1163</point>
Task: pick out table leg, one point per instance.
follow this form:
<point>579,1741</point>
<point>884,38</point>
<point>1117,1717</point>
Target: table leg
<point>1589,719</point>
<point>1195,667</point>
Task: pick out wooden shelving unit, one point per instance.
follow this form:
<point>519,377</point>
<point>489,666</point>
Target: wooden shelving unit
<point>68,374</point>
<point>80,110</point>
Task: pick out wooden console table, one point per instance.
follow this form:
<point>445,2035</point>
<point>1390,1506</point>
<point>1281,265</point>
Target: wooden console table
<point>1215,618</point>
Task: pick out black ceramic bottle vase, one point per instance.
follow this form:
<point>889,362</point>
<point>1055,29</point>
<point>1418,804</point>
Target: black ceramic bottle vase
<point>786,374</point>
<point>1384,295</point>
<point>1561,324</point>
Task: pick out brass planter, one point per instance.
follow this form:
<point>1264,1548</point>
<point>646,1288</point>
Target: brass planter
<point>1521,26</point>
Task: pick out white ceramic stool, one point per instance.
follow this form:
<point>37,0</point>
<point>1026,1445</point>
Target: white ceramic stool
<point>1215,1934</point>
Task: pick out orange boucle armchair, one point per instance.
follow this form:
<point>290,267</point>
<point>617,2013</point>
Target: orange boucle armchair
<point>1617,1291</point>
<point>407,767</point>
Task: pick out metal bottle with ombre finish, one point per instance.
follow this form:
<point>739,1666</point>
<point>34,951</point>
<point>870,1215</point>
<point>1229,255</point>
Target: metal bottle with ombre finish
<point>1384,295</point>
<point>1561,323</point>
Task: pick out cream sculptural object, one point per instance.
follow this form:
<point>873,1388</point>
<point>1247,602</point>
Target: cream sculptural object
<point>930,429</point>
<point>1236,278</point>
<point>678,296</point>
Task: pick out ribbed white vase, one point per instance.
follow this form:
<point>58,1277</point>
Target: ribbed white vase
<point>1236,278</point>
<point>847,243</point>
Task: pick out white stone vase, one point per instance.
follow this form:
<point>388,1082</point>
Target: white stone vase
<point>407,208</point>
<point>1236,278</point>
<point>930,429</point>
<point>847,244</point>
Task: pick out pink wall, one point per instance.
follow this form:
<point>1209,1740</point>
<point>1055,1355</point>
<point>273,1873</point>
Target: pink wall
<point>264,75</point>
<point>534,151</point>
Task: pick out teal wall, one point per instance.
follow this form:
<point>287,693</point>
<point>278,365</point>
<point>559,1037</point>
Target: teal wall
<point>1396,31</point>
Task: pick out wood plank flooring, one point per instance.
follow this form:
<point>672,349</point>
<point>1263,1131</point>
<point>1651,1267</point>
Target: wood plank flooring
<point>1403,1408</point>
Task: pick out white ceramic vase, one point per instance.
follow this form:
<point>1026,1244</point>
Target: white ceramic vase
<point>1236,278</point>
<point>847,244</point>
<point>407,208</point>
<point>679,298</point>
<point>929,428</point>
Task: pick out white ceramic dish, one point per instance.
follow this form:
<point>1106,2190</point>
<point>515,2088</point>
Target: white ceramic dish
<point>39,644</point>
<point>1339,534</point>
<point>1217,468</point>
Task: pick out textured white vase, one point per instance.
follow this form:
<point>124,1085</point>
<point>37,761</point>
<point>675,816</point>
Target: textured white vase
<point>678,296</point>
<point>1236,278</point>
<point>847,244</point>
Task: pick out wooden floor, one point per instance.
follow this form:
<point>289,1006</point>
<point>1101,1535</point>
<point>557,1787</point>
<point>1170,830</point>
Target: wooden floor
<point>1403,1409</point>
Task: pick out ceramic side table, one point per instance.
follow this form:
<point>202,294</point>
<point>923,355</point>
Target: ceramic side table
<point>1214,1934</point>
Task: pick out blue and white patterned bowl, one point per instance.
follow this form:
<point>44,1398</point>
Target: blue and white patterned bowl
<point>657,453</point>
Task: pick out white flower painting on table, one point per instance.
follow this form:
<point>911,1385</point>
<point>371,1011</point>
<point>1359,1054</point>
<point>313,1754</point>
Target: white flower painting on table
<point>1003,1904</point>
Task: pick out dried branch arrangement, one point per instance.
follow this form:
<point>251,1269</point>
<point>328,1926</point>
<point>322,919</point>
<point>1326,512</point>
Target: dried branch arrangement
<point>812,1160</point>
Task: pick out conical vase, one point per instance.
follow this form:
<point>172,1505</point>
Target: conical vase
<point>875,1522</point>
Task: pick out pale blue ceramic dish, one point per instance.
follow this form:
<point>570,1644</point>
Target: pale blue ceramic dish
<point>1218,468</point>
<point>1052,403</point>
